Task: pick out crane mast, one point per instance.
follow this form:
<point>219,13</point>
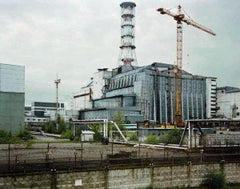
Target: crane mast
<point>180,17</point>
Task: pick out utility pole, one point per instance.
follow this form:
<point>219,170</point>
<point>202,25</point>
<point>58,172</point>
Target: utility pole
<point>57,81</point>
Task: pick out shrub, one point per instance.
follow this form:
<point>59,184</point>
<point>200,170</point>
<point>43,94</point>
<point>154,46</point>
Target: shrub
<point>67,134</point>
<point>152,139</point>
<point>172,136</point>
<point>215,180</point>
<point>24,134</point>
<point>4,136</point>
<point>133,137</point>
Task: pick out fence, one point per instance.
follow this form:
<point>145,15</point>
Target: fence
<point>18,159</point>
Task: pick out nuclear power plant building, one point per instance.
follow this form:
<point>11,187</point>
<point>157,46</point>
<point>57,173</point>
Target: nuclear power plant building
<point>145,93</point>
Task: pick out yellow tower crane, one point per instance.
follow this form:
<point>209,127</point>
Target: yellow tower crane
<point>180,17</point>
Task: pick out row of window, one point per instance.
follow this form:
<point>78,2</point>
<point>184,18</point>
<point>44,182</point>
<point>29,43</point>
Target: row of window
<point>47,104</point>
<point>121,82</point>
<point>36,120</point>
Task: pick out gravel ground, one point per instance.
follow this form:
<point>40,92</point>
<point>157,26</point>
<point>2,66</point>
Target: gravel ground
<point>67,150</point>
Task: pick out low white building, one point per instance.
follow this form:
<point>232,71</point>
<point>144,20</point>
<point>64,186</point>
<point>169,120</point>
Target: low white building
<point>228,100</point>
<point>87,136</point>
<point>41,112</point>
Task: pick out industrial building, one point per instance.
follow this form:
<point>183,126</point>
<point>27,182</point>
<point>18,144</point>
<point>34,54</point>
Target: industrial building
<point>41,112</point>
<point>48,109</point>
<point>228,102</point>
<point>12,97</point>
<point>144,92</point>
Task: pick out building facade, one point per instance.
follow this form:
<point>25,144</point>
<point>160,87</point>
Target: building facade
<point>39,113</point>
<point>148,93</point>
<point>46,109</point>
<point>228,102</point>
<point>12,97</point>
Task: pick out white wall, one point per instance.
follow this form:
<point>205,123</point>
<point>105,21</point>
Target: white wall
<point>211,86</point>
<point>226,103</point>
<point>96,87</point>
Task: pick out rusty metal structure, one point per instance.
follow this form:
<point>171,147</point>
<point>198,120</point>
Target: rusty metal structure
<point>211,133</point>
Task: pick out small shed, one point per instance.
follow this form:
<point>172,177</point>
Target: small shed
<point>87,136</point>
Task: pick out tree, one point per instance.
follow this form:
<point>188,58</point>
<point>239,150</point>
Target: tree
<point>118,118</point>
<point>96,128</point>
<point>61,124</point>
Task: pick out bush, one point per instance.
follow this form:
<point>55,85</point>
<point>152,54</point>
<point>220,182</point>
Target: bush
<point>50,127</point>
<point>67,134</point>
<point>172,136</point>
<point>215,180</point>
<point>4,136</point>
<point>96,128</point>
<point>152,139</point>
<point>24,134</point>
<point>133,137</point>
<point>18,138</point>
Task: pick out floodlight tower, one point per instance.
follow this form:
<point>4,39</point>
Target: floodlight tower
<point>127,52</point>
<point>57,81</point>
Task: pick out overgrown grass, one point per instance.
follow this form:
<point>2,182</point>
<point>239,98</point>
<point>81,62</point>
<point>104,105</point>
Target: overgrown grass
<point>22,137</point>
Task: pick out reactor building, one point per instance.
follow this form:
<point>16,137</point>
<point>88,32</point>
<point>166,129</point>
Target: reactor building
<point>143,92</point>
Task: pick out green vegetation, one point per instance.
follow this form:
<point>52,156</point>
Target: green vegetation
<point>59,127</point>
<point>96,128</point>
<point>172,136</point>
<point>215,180</point>
<point>152,139</point>
<point>133,137</point>
<point>4,136</point>
<point>118,118</point>
<point>62,126</point>
<point>23,136</point>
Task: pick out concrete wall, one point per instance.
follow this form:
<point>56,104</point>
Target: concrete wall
<point>187,175</point>
<point>229,104</point>
<point>12,92</point>
<point>11,111</point>
<point>12,78</point>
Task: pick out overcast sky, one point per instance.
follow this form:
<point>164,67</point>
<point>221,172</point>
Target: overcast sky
<point>73,38</point>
